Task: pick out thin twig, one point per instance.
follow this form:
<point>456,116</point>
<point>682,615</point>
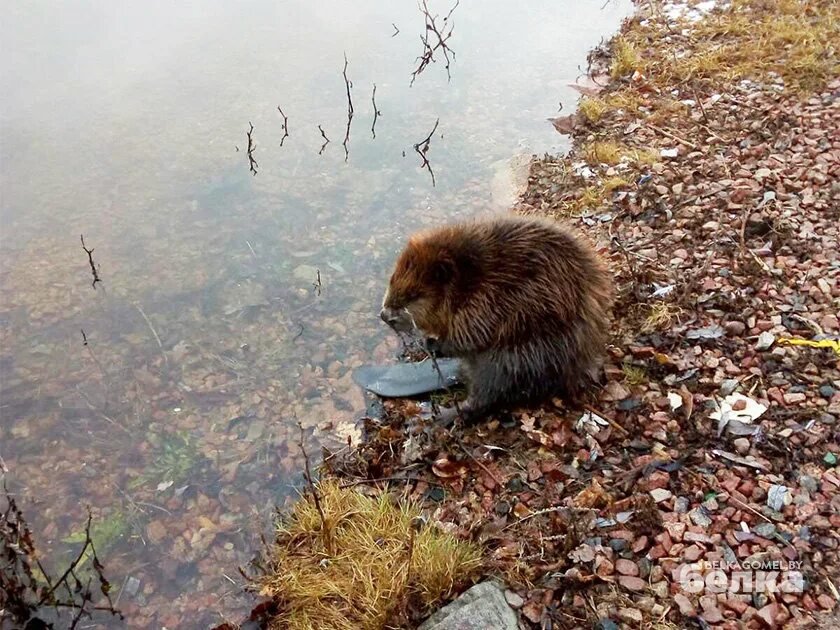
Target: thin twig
<point>93,269</point>
<point>307,475</point>
<point>357,482</point>
<point>612,422</point>
<point>700,104</point>
<point>317,284</point>
<point>93,407</point>
<point>347,84</point>
<point>434,361</point>
<point>92,356</point>
<point>376,112</point>
<point>251,148</point>
<point>154,332</point>
<point>668,134</point>
<point>285,126</point>
<point>326,140</point>
<point>422,147</point>
<point>476,460</point>
<point>442,35</point>
<point>88,543</point>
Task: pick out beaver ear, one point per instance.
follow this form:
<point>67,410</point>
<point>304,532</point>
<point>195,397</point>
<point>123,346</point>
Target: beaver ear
<point>443,270</point>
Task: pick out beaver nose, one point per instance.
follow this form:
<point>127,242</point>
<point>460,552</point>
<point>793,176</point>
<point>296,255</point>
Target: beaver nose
<point>388,316</point>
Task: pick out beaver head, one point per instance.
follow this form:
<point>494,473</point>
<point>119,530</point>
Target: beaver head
<point>431,278</point>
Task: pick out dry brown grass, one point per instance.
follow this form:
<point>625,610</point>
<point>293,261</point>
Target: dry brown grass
<point>611,153</point>
<point>749,39</point>
<point>625,57</point>
<point>615,182</point>
<point>626,99</point>
<point>660,316</point>
<point>603,152</point>
<point>592,109</point>
<point>796,39</point>
<point>380,565</point>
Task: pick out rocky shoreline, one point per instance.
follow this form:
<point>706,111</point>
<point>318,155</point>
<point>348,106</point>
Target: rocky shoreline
<point>699,487</point>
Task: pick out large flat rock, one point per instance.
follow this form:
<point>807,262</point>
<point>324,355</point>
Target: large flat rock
<point>483,607</point>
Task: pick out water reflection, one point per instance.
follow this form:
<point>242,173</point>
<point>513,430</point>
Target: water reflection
<point>231,305</point>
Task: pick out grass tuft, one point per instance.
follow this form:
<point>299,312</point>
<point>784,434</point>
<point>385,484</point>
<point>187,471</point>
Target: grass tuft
<point>380,567</point>
<point>634,375</point>
<point>660,316</point>
<point>592,109</point>
<point>611,153</point>
<point>603,152</point>
<point>615,182</point>
<point>625,58</point>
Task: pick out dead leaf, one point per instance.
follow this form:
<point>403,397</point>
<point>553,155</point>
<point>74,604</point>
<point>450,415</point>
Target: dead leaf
<point>447,469</point>
<point>587,90</point>
<point>564,124</point>
<point>593,496</point>
<point>533,611</point>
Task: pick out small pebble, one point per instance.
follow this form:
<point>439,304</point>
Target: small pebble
<point>765,340</point>
<point>742,446</point>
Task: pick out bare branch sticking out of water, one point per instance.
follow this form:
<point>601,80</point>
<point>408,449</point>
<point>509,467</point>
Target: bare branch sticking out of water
<point>285,126</point>
<point>310,485</point>
<point>347,84</point>
<point>317,284</point>
<point>376,112</point>
<point>435,32</point>
<point>93,268</point>
<point>422,147</point>
<point>326,140</point>
<point>252,146</point>
<point>30,592</point>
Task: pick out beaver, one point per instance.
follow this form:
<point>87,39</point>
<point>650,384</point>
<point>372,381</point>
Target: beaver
<point>522,302</point>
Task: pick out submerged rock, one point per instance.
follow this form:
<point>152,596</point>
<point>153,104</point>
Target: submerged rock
<point>483,606</point>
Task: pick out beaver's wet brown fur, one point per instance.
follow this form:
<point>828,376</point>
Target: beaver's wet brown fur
<point>522,301</point>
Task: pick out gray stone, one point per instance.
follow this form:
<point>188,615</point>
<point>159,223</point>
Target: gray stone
<point>742,446</point>
<point>777,497</point>
<point>827,391</point>
<point>482,606</point>
<point>728,386</point>
<point>809,483</point>
<point>132,586</point>
<point>765,530</point>
<point>765,341</point>
<point>700,517</point>
<point>514,599</point>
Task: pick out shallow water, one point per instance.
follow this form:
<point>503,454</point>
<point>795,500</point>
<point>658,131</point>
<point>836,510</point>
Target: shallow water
<point>231,305</point>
